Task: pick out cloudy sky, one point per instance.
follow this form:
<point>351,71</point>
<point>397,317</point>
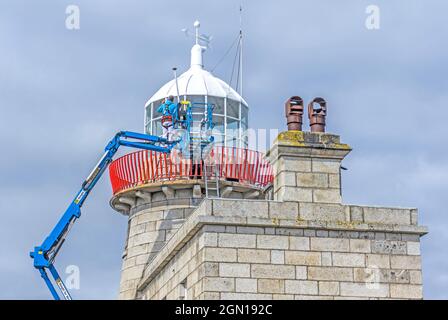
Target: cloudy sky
<point>63,93</point>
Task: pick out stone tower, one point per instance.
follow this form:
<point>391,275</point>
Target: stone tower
<point>272,228</point>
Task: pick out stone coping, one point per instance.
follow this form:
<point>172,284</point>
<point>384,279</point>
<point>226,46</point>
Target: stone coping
<point>308,144</point>
<point>262,213</point>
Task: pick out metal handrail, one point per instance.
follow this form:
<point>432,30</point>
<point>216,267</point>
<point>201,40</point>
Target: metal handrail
<point>233,164</point>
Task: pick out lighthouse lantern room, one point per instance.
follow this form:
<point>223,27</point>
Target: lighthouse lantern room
<point>197,85</point>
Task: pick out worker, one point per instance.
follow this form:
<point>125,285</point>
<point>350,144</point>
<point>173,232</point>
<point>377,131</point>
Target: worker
<point>168,109</point>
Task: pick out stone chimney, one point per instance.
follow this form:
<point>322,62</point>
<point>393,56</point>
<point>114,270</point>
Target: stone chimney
<point>307,166</point>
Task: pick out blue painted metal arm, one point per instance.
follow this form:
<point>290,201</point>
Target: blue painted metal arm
<point>45,254</point>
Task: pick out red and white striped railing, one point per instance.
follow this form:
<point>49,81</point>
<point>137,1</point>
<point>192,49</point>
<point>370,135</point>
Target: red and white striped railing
<point>234,164</point>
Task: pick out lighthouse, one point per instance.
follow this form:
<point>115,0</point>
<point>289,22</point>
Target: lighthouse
<point>158,192</point>
<point>233,223</point>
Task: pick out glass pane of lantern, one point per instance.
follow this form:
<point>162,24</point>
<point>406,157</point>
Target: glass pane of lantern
<point>197,99</point>
<point>244,116</point>
<point>233,108</point>
<point>218,104</point>
<point>196,125</point>
<point>219,124</point>
<point>157,128</point>
<point>155,106</point>
<point>232,128</point>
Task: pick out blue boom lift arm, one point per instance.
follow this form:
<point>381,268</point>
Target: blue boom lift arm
<point>45,254</point>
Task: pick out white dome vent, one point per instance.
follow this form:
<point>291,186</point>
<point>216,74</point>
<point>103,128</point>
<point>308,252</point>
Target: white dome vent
<point>197,81</point>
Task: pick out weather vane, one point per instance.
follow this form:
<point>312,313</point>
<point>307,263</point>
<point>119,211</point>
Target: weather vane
<point>201,39</point>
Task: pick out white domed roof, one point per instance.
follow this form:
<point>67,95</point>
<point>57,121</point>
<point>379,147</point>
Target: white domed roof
<point>197,81</point>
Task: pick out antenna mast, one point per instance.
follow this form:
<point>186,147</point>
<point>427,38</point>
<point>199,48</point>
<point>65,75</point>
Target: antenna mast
<point>241,51</point>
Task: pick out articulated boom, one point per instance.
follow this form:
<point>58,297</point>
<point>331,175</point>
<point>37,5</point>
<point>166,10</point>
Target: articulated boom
<point>45,254</point>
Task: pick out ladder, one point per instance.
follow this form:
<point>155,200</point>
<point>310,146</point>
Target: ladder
<point>208,184</point>
<point>209,173</point>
